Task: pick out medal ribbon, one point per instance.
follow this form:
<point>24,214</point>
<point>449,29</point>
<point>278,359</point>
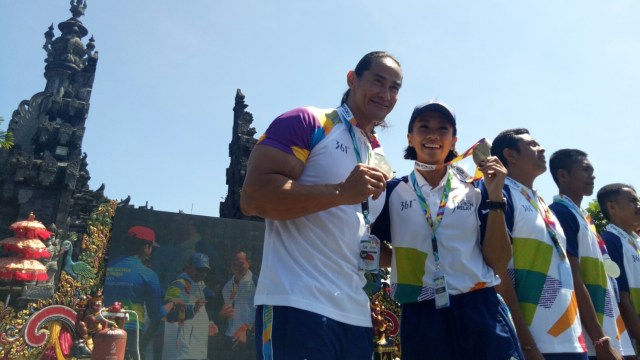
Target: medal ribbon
<point>434,224</point>
<point>346,116</point>
<point>565,200</point>
<point>428,167</point>
<point>546,216</point>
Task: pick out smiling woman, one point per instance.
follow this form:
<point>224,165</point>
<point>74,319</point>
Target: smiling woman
<point>428,278</point>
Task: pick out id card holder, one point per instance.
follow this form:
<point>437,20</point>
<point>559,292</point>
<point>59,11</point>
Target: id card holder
<point>566,278</point>
<point>369,259</point>
<point>442,294</point>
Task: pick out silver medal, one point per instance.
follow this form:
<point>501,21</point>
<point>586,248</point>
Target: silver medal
<point>482,151</point>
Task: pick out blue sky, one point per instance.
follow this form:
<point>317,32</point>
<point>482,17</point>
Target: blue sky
<point>161,108</point>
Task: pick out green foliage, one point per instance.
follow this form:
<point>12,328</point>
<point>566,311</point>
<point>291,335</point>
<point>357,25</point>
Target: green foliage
<point>596,215</point>
<point>6,138</point>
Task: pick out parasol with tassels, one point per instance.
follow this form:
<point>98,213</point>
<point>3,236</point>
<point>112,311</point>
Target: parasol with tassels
<point>26,246</point>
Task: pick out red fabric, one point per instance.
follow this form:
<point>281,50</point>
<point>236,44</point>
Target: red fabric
<point>143,233</point>
<point>27,253</point>
<point>31,232</point>
<point>66,341</point>
<point>49,354</point>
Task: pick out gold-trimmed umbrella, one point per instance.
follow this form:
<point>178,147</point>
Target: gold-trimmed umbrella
<point>29,248</point>
<point>30,228</point>
<point>12,268</point>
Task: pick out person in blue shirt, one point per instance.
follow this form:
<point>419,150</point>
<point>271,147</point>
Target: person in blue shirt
<point>137,287</point>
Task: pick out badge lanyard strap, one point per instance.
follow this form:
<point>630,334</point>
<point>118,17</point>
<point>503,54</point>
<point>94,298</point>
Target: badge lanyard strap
<point>434,224</point>
<point>547,221</point>
<point>623,234</point>
<point>346,116</point>
<point>234,291</point>
<point>429,167</point>
<point>565,200</point>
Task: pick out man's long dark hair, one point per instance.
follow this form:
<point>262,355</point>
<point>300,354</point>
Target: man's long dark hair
<point>365,64</point>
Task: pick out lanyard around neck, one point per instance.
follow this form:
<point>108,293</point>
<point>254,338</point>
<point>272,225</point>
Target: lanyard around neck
<point>584,215</point>
<point>631,239</point>
<point>346,116</point>
<point>434,224</point>
<point>429,167</point>
<point>543,210</point>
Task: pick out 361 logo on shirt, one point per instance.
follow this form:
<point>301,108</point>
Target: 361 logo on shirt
<point>342,147</point>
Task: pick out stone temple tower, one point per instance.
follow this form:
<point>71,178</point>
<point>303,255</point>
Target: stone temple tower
<point>242,142</point>
<point>46,171</point>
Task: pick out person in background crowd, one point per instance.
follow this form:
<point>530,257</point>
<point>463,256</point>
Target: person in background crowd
<point>137,287</point>
<point>187,327</point>
<point>239,310</point>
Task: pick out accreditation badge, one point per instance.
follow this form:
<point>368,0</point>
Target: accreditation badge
<point>369,259</point>
<point>442,293</point>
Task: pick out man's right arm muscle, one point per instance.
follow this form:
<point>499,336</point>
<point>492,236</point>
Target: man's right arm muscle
<point>271,189</point>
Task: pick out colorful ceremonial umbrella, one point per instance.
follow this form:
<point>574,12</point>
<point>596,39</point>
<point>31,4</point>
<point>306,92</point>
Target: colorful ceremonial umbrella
<point>29,248</point>
<point>25,247</point>
<point>30,228</point>
<point>12,268</point>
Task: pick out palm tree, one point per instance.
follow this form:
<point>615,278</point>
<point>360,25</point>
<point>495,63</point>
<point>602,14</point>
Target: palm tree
<point>6,139</point>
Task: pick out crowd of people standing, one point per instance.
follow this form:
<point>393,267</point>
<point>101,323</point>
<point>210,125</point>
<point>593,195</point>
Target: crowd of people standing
<point>482,267</point>
<point>181,319</point>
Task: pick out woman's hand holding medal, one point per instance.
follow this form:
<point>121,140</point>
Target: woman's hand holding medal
<point>492,168</point>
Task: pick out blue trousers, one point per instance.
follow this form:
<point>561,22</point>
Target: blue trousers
<point>476,325</point>
<point>284,333</point>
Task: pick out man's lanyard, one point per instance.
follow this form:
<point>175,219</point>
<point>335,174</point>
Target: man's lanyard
<point>346,116</point>
<point>624,235</point>
<point>234,290</point>
<point>544,212</point>
<point>434,224</point>
<point>583,214</point>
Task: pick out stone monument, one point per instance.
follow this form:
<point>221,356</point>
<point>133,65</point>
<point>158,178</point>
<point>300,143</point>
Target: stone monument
<point>46,171</point>
<point>242,142</point>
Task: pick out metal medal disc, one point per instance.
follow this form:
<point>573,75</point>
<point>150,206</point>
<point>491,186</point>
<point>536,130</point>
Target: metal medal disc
<point>481,152</point>
<point>611,268</point>
<point>380,161</point>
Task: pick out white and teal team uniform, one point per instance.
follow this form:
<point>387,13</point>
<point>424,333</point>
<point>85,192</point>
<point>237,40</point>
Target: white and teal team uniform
<point>583,242</point>
<point>547,301</point>
<point>476,323</point>
<point>310,263</point>
<point>623,248</point>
